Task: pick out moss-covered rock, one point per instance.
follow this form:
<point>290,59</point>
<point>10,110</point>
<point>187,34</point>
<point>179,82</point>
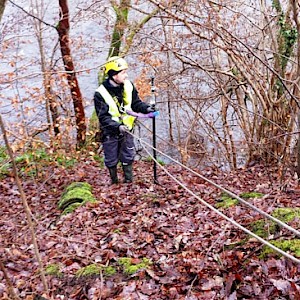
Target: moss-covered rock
<point>81,185</point>
<point>70,208</point>
<point>75,195</point>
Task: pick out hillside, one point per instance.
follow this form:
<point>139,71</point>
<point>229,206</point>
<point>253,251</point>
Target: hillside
<point>145,241</point>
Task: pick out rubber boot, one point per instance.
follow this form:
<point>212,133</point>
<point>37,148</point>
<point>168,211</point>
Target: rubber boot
<point>113,174</point>
<point>127,169</point>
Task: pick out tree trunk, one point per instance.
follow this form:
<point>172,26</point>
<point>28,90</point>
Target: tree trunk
<point>11,290</point>
<point>51,105</point>
<point>2,7</point>
<point>280,110</point>
<point>121,25</point>
<point>63,32</point>
<point>296,87</point>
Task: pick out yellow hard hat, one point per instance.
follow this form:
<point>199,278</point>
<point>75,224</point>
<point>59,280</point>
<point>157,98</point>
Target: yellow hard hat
<point>115,63</point>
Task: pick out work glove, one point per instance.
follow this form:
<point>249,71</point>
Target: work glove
<point>151,109</point>
<point>123,129</point>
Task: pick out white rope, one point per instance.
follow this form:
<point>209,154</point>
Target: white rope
<point>231,194</point>
<point>232,221</point>
<point>286,226</point>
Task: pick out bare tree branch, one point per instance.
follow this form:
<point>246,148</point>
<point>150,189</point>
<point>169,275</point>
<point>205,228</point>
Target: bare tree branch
<point>30,14</point>
<point>26,208</point>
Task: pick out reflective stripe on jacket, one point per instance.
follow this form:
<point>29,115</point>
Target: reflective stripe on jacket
<point>120,117</point>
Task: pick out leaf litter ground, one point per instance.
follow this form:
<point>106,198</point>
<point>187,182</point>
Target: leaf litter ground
<point>195,254</point>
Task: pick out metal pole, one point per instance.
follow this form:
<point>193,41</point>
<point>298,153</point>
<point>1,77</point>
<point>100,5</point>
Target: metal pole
<point>152,103</point>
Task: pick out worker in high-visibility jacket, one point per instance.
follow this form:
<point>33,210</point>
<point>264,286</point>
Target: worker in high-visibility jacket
<point>112,99</point>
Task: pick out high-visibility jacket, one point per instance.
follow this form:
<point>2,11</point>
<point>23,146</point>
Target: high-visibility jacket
<point>117,111</point>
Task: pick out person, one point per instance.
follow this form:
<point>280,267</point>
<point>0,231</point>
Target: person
<point>113,99</point>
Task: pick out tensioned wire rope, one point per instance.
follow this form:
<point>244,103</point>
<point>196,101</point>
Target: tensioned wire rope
<point>295,231</point>
<point>232,221</point>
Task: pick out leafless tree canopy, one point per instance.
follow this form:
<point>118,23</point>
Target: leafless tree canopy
<point>227,72</point>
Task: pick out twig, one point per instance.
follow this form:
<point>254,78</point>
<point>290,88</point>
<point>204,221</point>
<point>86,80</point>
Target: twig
<point>26,208</point>
<point>191,286</point>
<point>101,284</point>
<point>9,283</point>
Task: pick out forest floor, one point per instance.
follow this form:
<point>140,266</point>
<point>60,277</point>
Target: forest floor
<point>175,247</point>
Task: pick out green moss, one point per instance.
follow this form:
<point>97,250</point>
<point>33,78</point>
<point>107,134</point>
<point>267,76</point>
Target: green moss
<point>292,246</point>
<point>264,228</point>
<point>65,161</point>
<point>81,185</point>
<point>124,261</point>
<point>95,270</point>
<point>125,264</point>
<point>4,169</point>
<point>286,214</point>
<point>53,269</point>
<point>99,159</point>
<point>77,192</point>
<point>130,268</point>
<point>90,270</point>
<point>33,161</point>
<point>235,71</point>
<point>235,244</point>
<point>251,195</point>
<point>159,160</point>
<point>109,271</point>
<point>227,201</point>
<point>3,154</point>
<point>70,208</point>
<point>4,162</point>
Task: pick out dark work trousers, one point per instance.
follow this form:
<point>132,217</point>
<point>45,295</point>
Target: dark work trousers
<point>118,148</point>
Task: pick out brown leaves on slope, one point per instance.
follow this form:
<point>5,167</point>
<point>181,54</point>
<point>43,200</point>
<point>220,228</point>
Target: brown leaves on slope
<point>195,254</point>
